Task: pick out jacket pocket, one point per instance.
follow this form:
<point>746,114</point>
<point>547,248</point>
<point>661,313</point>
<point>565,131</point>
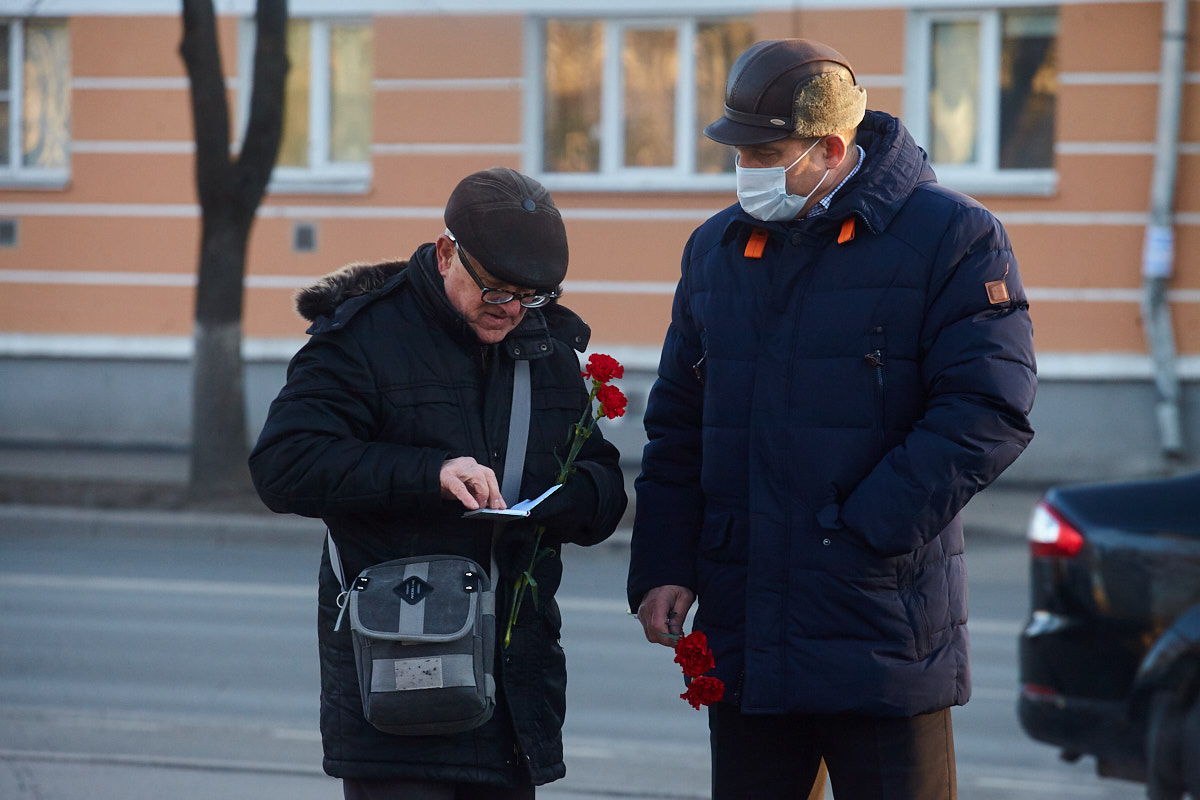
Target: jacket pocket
<point>918,619</point>
<point>723,537</point>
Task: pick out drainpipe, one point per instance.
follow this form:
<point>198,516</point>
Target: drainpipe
<point>1158,249</point>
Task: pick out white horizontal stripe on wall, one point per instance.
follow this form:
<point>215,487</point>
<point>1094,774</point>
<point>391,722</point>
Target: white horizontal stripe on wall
<point>1104,148</point>
<point>575,7</point>
<point>1108,78</point>
<point>135,148</point>
<point>1051,366</point>
<point>444,149</point>
<point>167,210</point>
<point>186,280</point>
<point>880,81</point>
<point>516,148</point>
<point>446,84</point>
<point>127,84</point>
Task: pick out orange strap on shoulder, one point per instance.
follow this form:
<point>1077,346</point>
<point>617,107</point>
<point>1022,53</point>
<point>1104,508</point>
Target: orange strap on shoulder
<point>756,243</point>
<point>847,232</point>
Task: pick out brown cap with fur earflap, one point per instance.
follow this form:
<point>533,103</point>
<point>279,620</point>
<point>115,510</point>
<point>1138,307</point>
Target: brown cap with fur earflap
<point>788,87</point>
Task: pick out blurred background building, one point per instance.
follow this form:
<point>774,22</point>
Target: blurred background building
<point>1077,123</point>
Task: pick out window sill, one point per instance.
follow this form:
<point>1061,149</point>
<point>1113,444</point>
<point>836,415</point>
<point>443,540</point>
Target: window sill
<point>50,181</point>
<point>633,182</point>
<point>1030,183</point>
<point>340,181</point>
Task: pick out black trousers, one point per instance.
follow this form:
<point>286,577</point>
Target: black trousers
<point>358,789</point>
<point>772,757</point>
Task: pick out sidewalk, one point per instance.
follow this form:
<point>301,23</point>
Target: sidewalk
<point>133,489</point>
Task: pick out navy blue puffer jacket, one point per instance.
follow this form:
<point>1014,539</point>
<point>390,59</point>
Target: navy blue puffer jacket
<point>821,416</point>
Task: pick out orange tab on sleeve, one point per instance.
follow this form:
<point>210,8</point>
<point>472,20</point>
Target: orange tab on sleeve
<point>756,243</point>
<point>847,232</point>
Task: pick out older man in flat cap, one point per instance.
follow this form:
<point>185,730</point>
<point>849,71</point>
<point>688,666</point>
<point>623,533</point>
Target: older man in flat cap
<point>394,422</point>
<point>849,360</point>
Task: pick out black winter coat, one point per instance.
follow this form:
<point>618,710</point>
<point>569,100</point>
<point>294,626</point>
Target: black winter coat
<point>824,410</point>
<point>391,384</point>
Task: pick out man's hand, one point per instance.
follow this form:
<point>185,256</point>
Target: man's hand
<point>662,612</point>
<point>473,484</point>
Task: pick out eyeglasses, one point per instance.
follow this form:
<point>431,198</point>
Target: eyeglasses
<point>499,297</point>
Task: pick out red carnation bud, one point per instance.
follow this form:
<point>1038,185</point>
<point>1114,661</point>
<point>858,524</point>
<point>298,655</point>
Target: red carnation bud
<point>602,368</point>
<point>704,691</point>
<point>692,653</point>
<point>612,401</point>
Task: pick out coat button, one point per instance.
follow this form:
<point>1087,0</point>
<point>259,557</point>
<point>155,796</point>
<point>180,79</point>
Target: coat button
<point>796,238</point>
<point>825,542</point>
<point>542,346</point>
<point>516,351</point>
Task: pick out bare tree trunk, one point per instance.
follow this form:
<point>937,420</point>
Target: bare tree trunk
<point>230,191</point>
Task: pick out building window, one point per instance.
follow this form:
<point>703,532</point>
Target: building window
<point>624,102</point>
<point>327,106</point>
<point>983,86</point>
<point>35,102</point>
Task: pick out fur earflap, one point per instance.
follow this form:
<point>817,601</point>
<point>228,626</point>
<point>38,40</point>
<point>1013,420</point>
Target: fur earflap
<point>829,103</point>
<point>352,280</point>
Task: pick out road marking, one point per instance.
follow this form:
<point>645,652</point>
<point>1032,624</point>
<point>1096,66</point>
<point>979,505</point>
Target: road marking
<point>1054,788</point>
<point>161,762</point>
<point>584,605</point>
<point>153,585</point>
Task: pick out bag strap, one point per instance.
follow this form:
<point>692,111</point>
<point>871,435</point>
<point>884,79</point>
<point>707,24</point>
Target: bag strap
<point>514,458</point>
<point>510,487</point>
<point>518,434</point>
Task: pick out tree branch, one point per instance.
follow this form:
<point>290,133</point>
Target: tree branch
<point>260,145</point>
<point>210,110</point>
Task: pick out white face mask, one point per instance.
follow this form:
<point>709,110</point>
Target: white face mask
<point>763,191</point>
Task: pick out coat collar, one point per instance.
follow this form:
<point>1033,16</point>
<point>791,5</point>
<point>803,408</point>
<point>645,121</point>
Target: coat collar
<point>895,166</point>
<point>333,302</point>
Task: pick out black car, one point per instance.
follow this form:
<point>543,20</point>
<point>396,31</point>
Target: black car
<point>1110,657</point>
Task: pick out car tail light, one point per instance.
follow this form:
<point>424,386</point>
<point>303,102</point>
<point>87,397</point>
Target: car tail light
<point>1041,694</point>
<point>1052,536</point>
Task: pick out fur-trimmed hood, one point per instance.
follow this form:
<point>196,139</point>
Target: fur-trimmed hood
<point>353,280</point>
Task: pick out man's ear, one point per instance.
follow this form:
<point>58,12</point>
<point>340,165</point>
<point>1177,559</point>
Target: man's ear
<point>445,253</point>
<point>835,150</point>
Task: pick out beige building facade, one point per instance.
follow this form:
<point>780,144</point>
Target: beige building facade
<point>1049,114</point>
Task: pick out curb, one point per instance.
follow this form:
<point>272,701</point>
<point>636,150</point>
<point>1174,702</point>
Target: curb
<point>98,522</point>
<point>218,526</point>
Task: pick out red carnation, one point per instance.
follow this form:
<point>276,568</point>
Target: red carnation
<point>692,653</point>
<point>704,691</point>
<point>612,401</point>
<point>603,368</point>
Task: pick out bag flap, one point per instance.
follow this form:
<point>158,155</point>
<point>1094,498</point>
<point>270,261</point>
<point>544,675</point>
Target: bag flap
<point>420,599</point>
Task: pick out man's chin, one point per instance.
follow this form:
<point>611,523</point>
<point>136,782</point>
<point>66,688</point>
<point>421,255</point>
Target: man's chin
<point>492,335</point>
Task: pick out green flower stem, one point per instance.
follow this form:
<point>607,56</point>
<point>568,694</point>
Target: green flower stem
<point>579,433</point>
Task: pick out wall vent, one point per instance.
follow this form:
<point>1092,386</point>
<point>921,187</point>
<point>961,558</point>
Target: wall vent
<point>304,237</point>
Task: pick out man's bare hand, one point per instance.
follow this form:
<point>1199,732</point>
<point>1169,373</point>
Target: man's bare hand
<point>662,612</point>
<point>473,484</point>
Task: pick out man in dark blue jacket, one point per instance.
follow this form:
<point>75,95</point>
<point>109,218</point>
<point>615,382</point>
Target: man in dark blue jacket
<point>849,360</point>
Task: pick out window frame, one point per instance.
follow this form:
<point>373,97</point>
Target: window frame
<point>16,175</point>
<point>985,176</point>
<point>612,174</point>
<point>321,176</point>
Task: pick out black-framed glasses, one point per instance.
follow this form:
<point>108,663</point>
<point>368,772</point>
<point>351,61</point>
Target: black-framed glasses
<point>499,297</point>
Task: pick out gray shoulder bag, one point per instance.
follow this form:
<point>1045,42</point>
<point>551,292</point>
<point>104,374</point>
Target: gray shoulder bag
<point>424,628</point>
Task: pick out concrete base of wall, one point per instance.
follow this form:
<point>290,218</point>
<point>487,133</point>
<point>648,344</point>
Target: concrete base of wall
<point>1086,430</point>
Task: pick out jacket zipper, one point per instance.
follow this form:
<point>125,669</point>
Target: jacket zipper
<point>875,359</point>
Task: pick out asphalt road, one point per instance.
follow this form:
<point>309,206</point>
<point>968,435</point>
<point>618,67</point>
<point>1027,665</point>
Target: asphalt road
<point>176,661</point>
